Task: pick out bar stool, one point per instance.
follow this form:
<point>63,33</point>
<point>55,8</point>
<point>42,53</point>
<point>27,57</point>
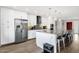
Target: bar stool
<point>63,39</point>
<point>59,39</point>
<point>69,38</point>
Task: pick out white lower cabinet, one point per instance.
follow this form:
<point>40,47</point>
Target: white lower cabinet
<point>31,34</point>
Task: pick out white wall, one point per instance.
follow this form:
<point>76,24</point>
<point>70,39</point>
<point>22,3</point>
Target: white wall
<point>59,26</point>
<point>65,21</point>
<point>7,24</point>
<point>75,25</point>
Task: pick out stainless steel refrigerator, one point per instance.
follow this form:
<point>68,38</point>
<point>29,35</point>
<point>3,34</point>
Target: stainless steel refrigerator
<point>21,30</point>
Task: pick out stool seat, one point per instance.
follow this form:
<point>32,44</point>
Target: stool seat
<point>48,48</point>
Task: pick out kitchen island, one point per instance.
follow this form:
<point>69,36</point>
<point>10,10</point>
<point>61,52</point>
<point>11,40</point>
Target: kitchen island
<point>43,37</point>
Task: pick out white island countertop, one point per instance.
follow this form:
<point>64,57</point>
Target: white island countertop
<point>43,37</point>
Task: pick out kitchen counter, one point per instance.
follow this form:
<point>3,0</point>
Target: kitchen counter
<point>46,36</point>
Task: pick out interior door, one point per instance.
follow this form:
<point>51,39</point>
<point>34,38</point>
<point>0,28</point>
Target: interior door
<point>69,25</point>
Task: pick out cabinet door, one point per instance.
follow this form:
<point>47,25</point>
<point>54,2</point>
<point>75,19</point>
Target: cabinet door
<point>4,38</point>
<point>7,26</point>
<point>34,34</point>
<point>4,26</point>
<point>31,34</point>
<point>11,27</point>
<point>31,20</point>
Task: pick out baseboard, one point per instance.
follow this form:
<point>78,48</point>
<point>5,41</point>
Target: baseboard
<point>7,44</point>
<point>15,42</point>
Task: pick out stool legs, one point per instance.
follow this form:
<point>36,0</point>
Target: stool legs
<point>63,42</point>
<point>58,45</point>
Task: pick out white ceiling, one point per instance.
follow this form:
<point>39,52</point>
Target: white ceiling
<point>56,11</point>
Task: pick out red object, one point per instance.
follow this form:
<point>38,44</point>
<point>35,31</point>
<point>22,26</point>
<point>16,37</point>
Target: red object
<point>69,25</point>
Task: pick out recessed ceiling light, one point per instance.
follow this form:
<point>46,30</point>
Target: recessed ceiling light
<point>50,8</point>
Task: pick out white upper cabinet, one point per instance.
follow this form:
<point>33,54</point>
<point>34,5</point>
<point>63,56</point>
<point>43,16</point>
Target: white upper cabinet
<point>31,20</point>
<point>45,22</point>
<point>31,34</point>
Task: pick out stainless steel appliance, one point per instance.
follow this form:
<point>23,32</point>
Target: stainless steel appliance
<point>21,30</point>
